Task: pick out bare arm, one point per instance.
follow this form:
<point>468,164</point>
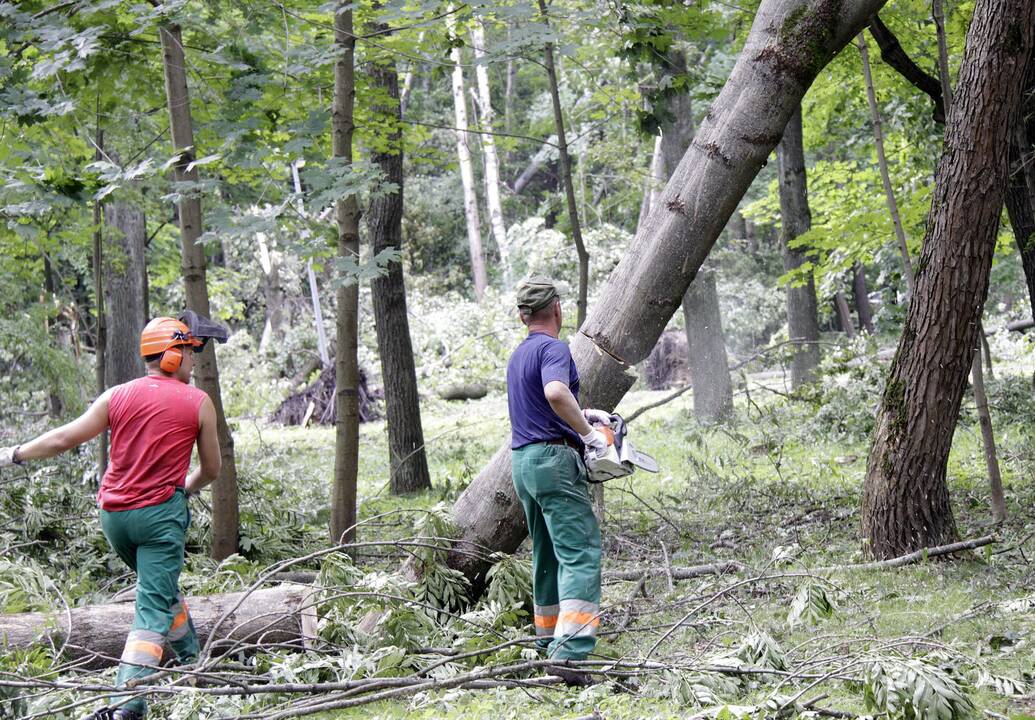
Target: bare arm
<point>566,406</point>
<point>210,461</point>
<point>83,429</point>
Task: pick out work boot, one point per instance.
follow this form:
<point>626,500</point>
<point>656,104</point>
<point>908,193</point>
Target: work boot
<point>571,676</point>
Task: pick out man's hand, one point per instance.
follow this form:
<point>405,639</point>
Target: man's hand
<point>597,417</point>
<point>595,441</point>
<point>7,456</point>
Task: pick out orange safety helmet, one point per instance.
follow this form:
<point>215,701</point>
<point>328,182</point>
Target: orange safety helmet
<point>165,336</point>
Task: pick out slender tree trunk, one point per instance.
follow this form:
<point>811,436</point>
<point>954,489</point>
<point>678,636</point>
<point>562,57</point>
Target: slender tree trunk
<point>905,498</point>
<point>943,53</point>
<point>206,374</point>
<point>844,315</point>
<point>882,161</point>
<point>125,271</point>
<point>569,189</point>
<point>346,368</point>
<point>538,161</point>
<point>796,219</point>
<point>861,296</point>
<point>57,405</point>
<point>408,460</point>
<point>270,261</point>
<point>492,163</point>
<point>407,84</point>
<point>314,289</point>
<point>789,43</point>
<point>463,154</point>
<point>508,91</point>
<point>995,478</point>
<point>706,345</point>
<point>101,338</point>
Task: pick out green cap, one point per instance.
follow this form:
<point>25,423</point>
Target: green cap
<point>535,293</point>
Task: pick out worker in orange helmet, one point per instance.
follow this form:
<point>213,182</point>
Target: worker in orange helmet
<point>155,422</point>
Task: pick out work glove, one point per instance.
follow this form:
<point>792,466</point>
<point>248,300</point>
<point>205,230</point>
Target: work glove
<point>597,417</point>
<point>7,456</point>
<point>595,441</point>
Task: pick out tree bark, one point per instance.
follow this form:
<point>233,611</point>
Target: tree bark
<point>844,315</point>
<point>463,155</point>
<point>653,183</point>
<point>706,344</point>
<point>101,337</point>
<point>408,460</point>
<point>125,285</point>
<point>281,614</point>
<point>206,373</point>
<point>882,161</point>
<point>709,366</point>
<point>314,290</point>
<point>943,52</point>
<point>491,159</point>
<point>891,52</point>
<point>565,165</point>
<point>1020,189</point>
<point>347,385</point>
<point>796,219</point>
<point>789,43</point>
<point>273,290</point>
<point>540,159</point>
<point>861,296</point>
<point>905,498</point>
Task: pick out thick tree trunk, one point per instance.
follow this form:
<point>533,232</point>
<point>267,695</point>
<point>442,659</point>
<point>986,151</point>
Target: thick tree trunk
<point>709,366</point>
<point>347,387</point>
<point>789,43</point>
<point>882,162</point>
<point>408,460</point>
<point>905,498</point>
<point>491,159</point>
<point>706,345</point>
<point>206,373</point>
<point>463,156</point>
<point>795,219</point>
<point>569,188</point>
<point>861,296</point>
<point>270,616</point>
<point>125,266</point>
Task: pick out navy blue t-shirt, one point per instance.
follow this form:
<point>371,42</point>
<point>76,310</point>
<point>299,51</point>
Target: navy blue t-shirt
<point>538,360</point>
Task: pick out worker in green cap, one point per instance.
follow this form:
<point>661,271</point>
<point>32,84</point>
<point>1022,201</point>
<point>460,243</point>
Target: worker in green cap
<point>549,433</point>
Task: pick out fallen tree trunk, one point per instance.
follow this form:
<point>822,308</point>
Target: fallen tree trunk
<point>281,616</point>
<point>789,43</point>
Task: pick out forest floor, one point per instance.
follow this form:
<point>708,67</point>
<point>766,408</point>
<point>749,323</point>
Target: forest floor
<point>778,491</point>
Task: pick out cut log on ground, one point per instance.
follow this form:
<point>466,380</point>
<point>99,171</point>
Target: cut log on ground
<point>296,410</point>
<point>465,391</point>
<point>280,616</point>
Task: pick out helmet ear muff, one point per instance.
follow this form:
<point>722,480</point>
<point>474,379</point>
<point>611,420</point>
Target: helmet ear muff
<point>171,360</point>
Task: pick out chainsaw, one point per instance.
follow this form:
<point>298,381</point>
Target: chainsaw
<point>620,458</point>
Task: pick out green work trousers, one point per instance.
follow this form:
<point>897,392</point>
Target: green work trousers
<point>550,481</point>
<point>150,540</point>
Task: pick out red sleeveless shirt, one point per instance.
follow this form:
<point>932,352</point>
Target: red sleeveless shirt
<point>154,425</point>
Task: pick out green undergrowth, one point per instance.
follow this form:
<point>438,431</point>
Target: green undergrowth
<point>777,490</point>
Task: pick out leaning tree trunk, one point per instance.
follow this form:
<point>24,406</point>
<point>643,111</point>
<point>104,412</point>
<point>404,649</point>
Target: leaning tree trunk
<point>463,156</point>
<point>270,261</point>
<point>706,345</point>
<point>206,374</point>
<point>125,266</point>
<point>408,460</point>
<point>796,219</point>
<point>565,166</point>
<point>861,296</point>
<point>347,399</point>
<point>905,498</point>
<point>789,43</point>
<point>491,158</point>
